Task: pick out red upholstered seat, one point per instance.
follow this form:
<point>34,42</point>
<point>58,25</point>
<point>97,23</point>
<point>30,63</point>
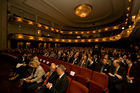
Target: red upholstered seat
<point>82,80</point>
<point>69,84</point>
<point>95,87</point>
<point>100,78</point>
<point>87,73</point>
<point>68,66</point>
<point>76,87</point>
<point>76,69</point>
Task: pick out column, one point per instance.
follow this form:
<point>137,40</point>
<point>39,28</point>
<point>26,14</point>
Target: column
<point>3,24</point>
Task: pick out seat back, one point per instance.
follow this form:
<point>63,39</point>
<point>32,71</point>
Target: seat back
<point>82,80</point>
<point>76,69</point>
<point>76,87</point>
<point>69,84</point>
<point>100,78</point>
<point>95,88</point>
<point>87,73</point>
<point>68,66</point>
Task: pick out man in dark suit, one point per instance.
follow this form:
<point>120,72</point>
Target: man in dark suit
<point>61,84</point>
<point>83,62</point>
<point>91,64</point>
<point>76,59</point>
<point>103,67</point>
<point>116,78</point>
<point>133,77</point>
<point>96,50</point>
<point>51,76</point>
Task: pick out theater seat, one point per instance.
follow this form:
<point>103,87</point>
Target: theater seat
<point>76,69</point>
<point>95,87</point>
<point>100,78</point>
<point>76,87</point>
<point>87,73</point>
<point>82,80</point>
<point>69,84</point>
<point>68,66</point>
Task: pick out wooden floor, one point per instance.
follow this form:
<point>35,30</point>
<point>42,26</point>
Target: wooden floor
<point>7,86</point>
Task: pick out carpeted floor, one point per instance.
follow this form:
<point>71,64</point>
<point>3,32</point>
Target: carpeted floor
<point>7,86</point>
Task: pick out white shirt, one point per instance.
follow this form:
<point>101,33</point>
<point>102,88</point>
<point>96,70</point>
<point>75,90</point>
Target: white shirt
<point>61,75</point>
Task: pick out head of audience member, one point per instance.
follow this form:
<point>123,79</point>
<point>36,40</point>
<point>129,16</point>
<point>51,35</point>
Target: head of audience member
<point>116,63</point>
<point>124,57</point>
<point>95,56</point>
<point>35,58</point>
<point>24,55</point>
<point>76,55</point>
<point>60,69</point>
<point>64,55</point>
<point>84,57</point>
<point>34,64</point>
<point>128,61</point>
<point>120,59</point>
<point>96,46</point>
<point>53,67</point>
<point>104,61</point>
<point>106,56</point>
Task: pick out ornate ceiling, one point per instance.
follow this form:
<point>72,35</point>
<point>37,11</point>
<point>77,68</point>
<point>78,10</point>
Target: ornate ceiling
<point>61,12</point>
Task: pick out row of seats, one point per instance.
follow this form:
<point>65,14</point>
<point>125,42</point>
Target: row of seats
<point>81,80</point>
<point>79,84</point>
<point>87,77</point>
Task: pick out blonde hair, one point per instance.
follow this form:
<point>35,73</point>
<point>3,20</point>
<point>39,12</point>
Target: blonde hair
<point>35,62</point>
<point>35,58</point>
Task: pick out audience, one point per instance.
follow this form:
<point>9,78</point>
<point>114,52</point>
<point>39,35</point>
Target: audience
<point>121,65</point>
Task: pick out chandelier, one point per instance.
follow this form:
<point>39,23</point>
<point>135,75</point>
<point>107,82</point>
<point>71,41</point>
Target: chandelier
<point>83,10</point>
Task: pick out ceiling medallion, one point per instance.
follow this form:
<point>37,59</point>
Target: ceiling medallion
<point>83,10</point>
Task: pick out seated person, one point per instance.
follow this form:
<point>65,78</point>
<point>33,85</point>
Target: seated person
<point>21,68</point>
<point>103,67</point>
<point>51,76</point>
<point>91,64</point>
<point>83,62</point>
<point>32,82</point>
<point>61,84</point>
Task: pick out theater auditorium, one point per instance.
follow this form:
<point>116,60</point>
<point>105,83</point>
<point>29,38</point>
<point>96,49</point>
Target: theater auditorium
<point>69,46</point>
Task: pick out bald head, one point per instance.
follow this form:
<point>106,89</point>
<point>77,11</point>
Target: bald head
<point>53,67</point>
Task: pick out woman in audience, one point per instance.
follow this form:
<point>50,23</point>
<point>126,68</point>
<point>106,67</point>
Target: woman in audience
<point>31,83</point>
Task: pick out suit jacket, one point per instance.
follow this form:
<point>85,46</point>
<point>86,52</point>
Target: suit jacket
<point>91,66</point>
<point>102,68</point>
<point>36,76</point>
<point>60,86</point>
<point>52,79</point>
<point>121,71</point>
<point>76,61</point>
<point>85,64</point>
<point>135,72</point>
